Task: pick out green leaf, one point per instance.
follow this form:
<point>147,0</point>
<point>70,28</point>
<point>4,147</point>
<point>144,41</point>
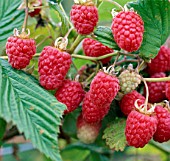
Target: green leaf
<point>156,17</point>
<point>97,157</point>
<point>64,19</point>
<point>35,112</point>
<point>10,18</point>
<point>2,129</point>
<point>74,154</point>
<point>91,147</point>
<point>69,124</point>
<point>115,135</point>
<point>104,35</point>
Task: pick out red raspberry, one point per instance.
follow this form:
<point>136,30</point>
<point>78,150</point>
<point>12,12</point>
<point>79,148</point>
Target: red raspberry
<point>71,94</point>
<point>161,62</point>
<point>128,101</point>
<point>167,90</point>
<point>127,28</point>
<point>162,133</point>
<point>35,3</point>
<point>93,113</point>
<point>140,129</point>
<point>84,18</point>
<point>87,133</point>
<point>20,51</point>
<point>53,66</point>
<point>104,88</point>
<point>156,89</point>
<point>95,49</point>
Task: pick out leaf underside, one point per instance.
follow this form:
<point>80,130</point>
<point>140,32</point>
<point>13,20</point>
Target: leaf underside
<point>115,135</point>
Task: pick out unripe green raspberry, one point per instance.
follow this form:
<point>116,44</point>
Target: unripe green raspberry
<point>129,80</point>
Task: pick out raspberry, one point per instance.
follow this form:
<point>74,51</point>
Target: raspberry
<point>128,101</point>
<point>35,3</point>
<point>129,80</point>
<point>140,129</point>
<point>71,94</point>
<point>20,51</point>
<point>162,133</point>
<point>127,28</point>
<point>86,132</point>
<point>94,48</point>
<point>156,89</point>
<point>53,66</point>
<point>161,62</point>
<point>167,90</point>
<point>93,113</point>
<point>84,18</point>
<point>104,88</point>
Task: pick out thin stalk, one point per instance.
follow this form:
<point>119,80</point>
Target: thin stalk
<point>115,3</point>
<point>163,79</point>
<point>117,57</point>
<point>147,95</point>
<point>76,43</point>
<point>126,60</point>
<point>66,15</point>
<point>26,16</point>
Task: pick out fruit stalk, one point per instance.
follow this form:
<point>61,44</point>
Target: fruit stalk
<point>26,17</point>
<point>147,95</point>
<point>77,41</point>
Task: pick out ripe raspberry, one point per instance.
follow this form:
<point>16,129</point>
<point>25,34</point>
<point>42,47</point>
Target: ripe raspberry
<point>161,62</point>
<point>95,49</point>
<point>104,88</point>
<point>129,80</point>
<point>35,3</point>
<point>127,28</point>
<point>71,94</point>
<point>87,133</point>
<point>167,90</point>
<point>140,129</point>
<point>53,66</point>
<point>84,18</point>
<point>93,113</point>
<point>162,133</point>
<point>156,89</point>
<point>128,101</point>
<point>20,51</point>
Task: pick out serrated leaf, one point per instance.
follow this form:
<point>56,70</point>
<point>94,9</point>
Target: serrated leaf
<point>115,135</point>
<point>156,17</point>
<point>64,19</point>
<point>104,35</point>
<point>10,18</point>
<point>35,112</point>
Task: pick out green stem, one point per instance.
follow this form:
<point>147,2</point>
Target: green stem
<point>66,15</point>
<point>159,147</point>
<point>26,17</point>
<point>76,43</point>
<point>93,58</point>
<point>163,79</point>
<point>126,61</point>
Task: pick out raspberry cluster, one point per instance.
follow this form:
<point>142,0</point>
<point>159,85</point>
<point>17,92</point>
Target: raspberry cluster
<point>96,103</point>
<point>94,48</point>
<point>20,51</point>
<point>71,94</point>
<point>84,17</point>
<point>128,28</point>
<point>86,132</point>
<point>53,66</point>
